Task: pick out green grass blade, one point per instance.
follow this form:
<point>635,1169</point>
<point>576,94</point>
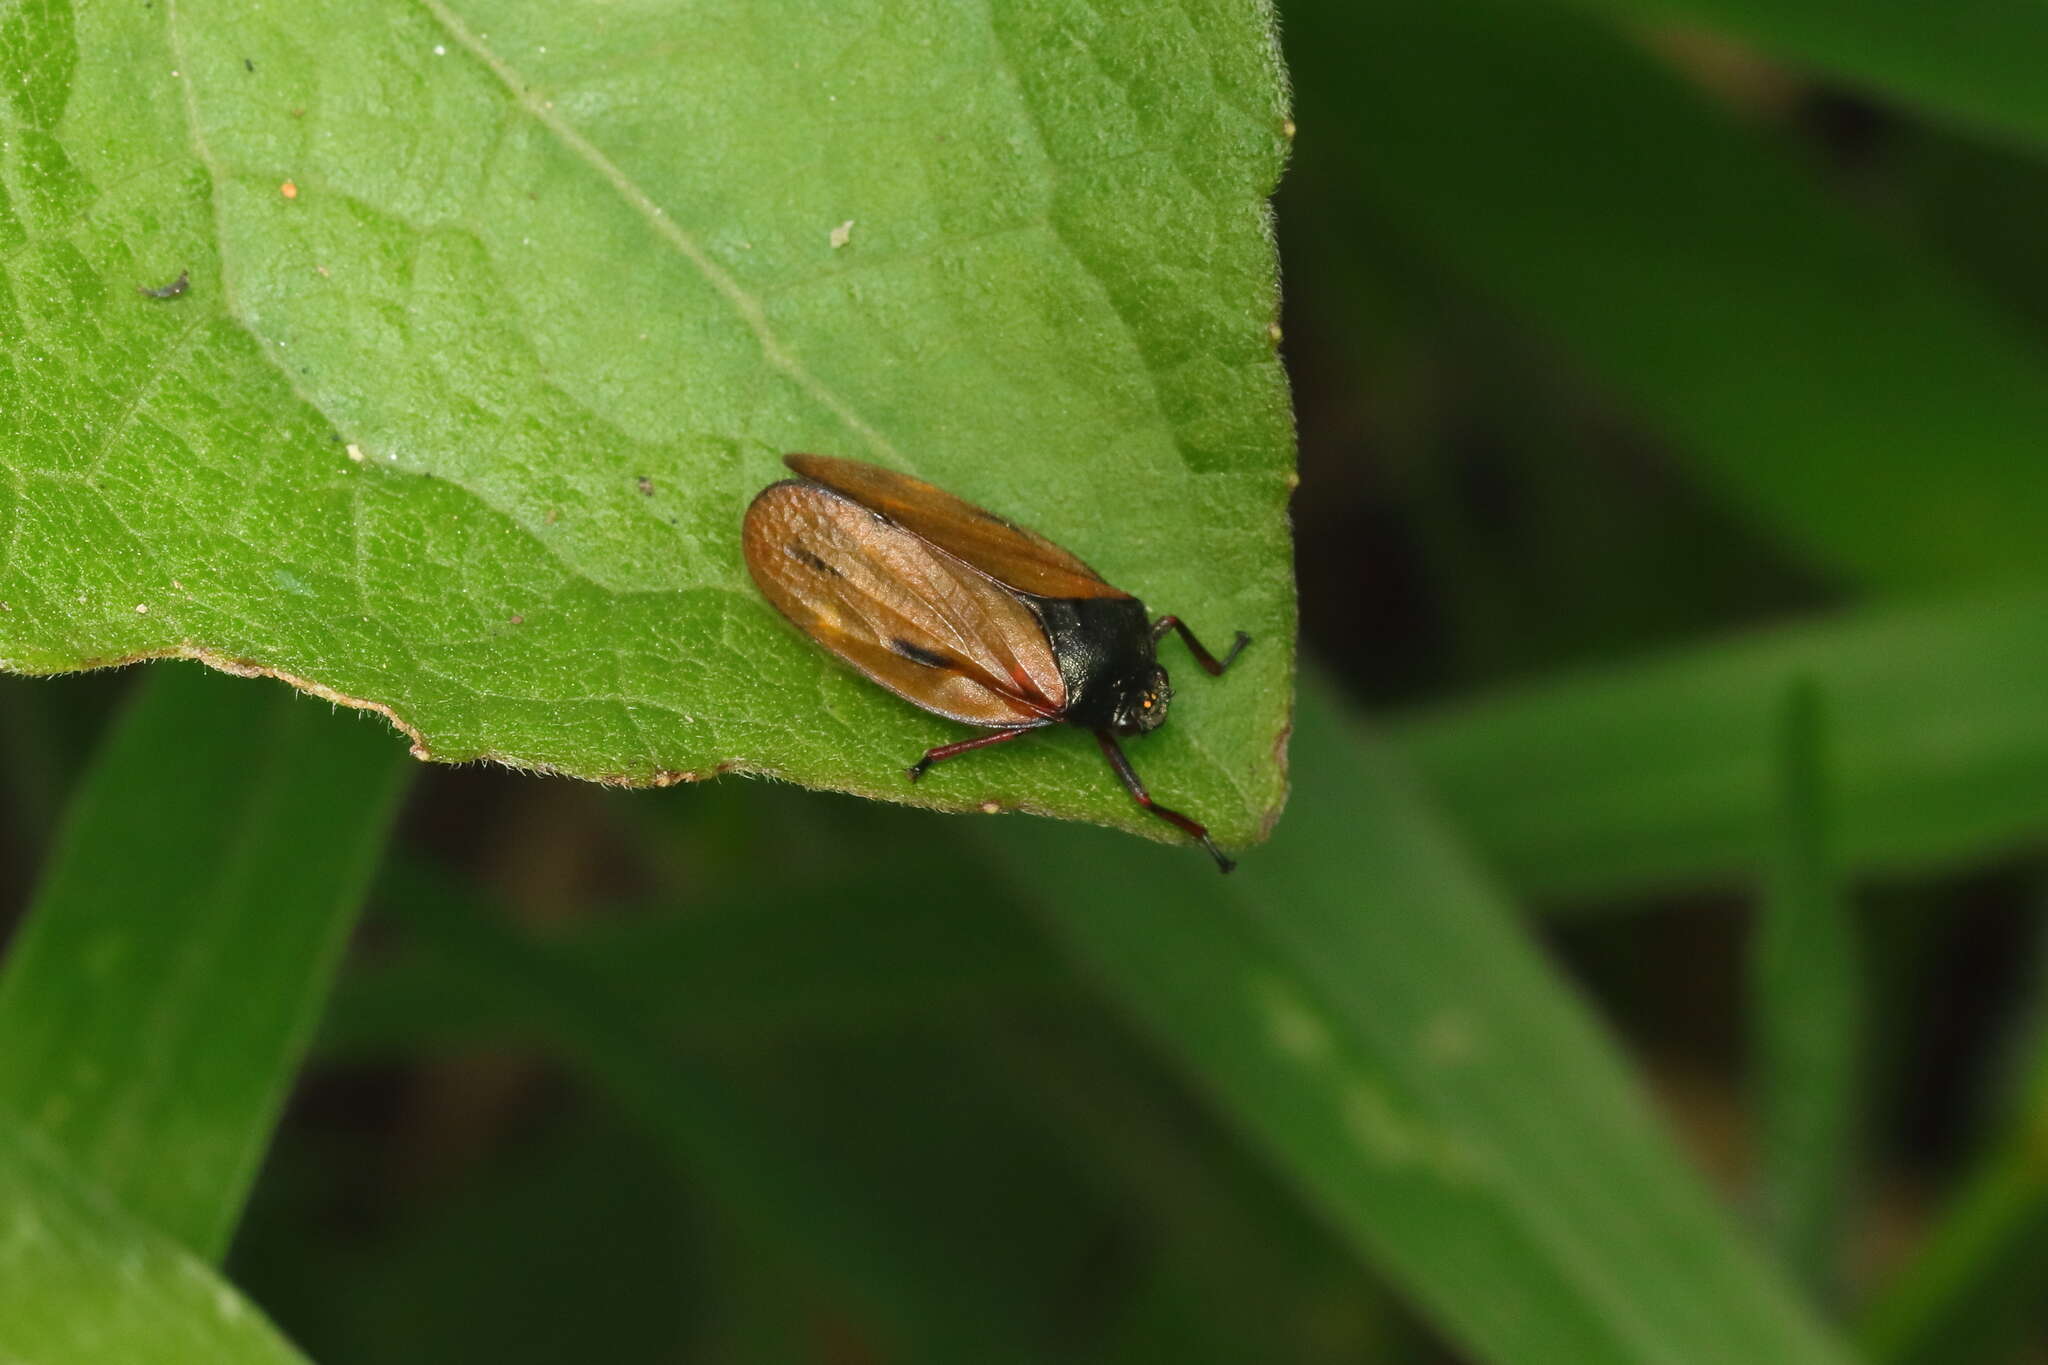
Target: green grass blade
<point>1806,1013</point>
<point>1976,64</point>
<point>1360,1003</point>
<point>1846,392</point>
<point>1661,773</point>
<point>84,1283</point>
<point>1968,1291</point>
<point>173,963</point>
<point>1974,1284</point>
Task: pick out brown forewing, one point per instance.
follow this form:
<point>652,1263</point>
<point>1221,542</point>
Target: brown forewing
<point>1001,549</point>
<point>917,621</point>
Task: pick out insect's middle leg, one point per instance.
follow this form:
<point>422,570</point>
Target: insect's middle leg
<point>946,751</point>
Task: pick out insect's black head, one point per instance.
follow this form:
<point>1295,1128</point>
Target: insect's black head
<point>1143,707</point>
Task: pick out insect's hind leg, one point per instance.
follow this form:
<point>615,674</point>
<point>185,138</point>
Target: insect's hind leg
<point>1195,829</point>
<point>946,751</point>
<point>1202,656</point>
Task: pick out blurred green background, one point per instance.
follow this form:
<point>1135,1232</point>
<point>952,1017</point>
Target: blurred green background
<point>1649,967</point>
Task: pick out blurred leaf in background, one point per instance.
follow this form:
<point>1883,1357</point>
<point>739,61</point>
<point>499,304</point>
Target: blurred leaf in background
<point>82,1283</point>
<point>157,1003</point>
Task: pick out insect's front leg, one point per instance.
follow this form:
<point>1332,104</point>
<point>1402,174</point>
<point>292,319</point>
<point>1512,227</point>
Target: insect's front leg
<point>1202,656</point>
<point>1195,829</point>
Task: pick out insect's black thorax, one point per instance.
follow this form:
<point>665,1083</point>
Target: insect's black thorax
<point>1103,646</point>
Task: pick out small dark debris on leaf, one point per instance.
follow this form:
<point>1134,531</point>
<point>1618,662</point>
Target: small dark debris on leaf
<point>248,65</point>
<point>167,291</point>
<point>646,487</point>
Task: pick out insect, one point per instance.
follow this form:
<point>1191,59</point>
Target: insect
<point>167,291</point>
<point>965,614</point>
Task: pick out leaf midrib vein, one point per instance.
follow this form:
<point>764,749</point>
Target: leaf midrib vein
<point>748,308</point>
<point>664,227</point>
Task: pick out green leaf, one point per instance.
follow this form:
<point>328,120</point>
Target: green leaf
<point>1976,1283</point>
<point>1976,64</point>
<point>499,314</point>
<point>1843,390</point>
<point>1361,1004</point>
<point>82,1283</point>
<point>1807,1012</point>
<point>1660,773</point>
<point>155,1006</point>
